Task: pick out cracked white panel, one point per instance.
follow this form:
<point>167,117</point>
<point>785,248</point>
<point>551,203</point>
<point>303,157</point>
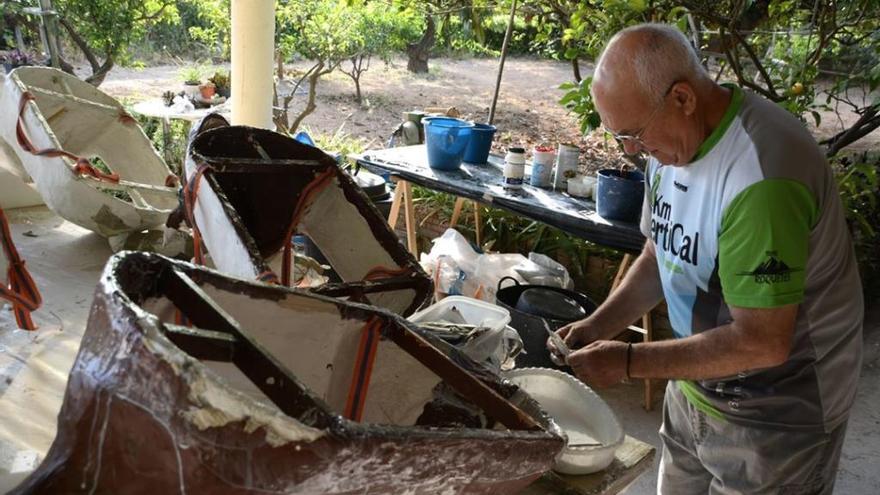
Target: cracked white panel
<point>348,243</point>
<point>86,129</point>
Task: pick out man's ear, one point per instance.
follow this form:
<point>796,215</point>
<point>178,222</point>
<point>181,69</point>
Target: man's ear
<point>684,97</point>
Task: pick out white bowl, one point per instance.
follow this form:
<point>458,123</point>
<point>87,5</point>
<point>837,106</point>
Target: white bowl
<point>581,414</point>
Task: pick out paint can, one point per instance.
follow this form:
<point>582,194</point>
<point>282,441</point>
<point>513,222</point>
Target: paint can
<point>514,168</point>
<point>566,165</point>
<point>542,166</point>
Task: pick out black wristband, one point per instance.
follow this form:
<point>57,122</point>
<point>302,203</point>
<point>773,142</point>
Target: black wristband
<point>629,348</point>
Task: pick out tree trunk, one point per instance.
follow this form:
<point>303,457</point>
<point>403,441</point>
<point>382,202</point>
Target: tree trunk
<point>867,123</point>
<point>99,75</point>
<point>420,52</point>
<point>99,70</point>
<point>319,70</point>
<point>576,69</point>
<point>66,66</point>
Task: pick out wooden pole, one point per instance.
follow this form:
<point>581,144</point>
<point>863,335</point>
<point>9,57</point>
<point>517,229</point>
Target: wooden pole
<point>504,46</point>
<point>50,21</point>
<point>253,51</point>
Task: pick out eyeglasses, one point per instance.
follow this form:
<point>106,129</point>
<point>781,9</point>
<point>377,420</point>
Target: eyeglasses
<point>636,137</point>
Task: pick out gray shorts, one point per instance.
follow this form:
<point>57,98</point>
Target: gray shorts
<point>703,455</point>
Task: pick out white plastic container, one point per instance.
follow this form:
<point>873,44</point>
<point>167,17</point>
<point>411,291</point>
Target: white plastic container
<point>496,347</point>
<point>514,168</point>
<point>566,165</point>
<point>582,186</point>
<point>473,311</point>
<point>543,158</point>
<point>593,431</point>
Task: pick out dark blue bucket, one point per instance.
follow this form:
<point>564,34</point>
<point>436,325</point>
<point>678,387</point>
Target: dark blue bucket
<point>620,195</point>
<point>478,147</point>
<point>446,139</point>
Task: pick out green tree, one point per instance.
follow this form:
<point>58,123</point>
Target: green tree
<point>103,29</point>
<point>214,26</point>
<point>420,43</point>
<point>806,56</point>
<point>320,31</point>
<point>378,32</point>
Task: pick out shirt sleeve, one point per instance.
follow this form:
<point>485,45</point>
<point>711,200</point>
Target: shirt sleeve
<point>764,244</point>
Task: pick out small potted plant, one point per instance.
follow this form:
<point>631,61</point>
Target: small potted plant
<point>207,90</point>
<point>15,58</point>
<point>192,78</point>
<point>221,83</point>
<point>168,98</point>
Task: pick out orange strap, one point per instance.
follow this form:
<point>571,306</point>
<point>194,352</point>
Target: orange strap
<point>363,368</point>
<point>82,167</point>
<point>312,189</point>
<point>190,195</point>
<point>380,272</point>
<point>22,292</point>
<point>172,180</point>
<point>125,118</point>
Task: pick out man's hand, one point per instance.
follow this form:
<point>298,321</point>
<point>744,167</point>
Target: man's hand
<point>576,335</point>
<point>600,364</point>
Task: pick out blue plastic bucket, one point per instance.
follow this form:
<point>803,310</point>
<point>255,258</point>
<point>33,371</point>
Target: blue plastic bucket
<point>446,139</point>
<point>478,147</point>
<point>619,195</point>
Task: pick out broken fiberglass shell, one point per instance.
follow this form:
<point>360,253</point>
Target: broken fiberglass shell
<point>249,190</point>
<point>277,390</point>
<point>52,128</point>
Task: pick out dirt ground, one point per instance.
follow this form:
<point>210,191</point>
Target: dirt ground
<point>528,112</point>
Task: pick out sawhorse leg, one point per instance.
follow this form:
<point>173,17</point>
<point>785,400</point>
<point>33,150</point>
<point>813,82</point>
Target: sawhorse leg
<point>647,329</point>
<point>456,214</point>
<point>403,196</point>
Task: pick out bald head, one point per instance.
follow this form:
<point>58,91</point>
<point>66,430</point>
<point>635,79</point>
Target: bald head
<point>645,60</point>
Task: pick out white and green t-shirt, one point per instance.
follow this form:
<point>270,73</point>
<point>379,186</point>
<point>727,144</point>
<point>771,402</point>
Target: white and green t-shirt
<point>755,221</point>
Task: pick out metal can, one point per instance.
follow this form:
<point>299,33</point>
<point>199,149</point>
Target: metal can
<point>514,168</point>
<point>566,165</point>
<point>542,166</point>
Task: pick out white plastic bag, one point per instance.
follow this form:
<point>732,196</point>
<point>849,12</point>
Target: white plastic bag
<point>457,269</point>
<point>454,245</point>
<point>491,268</point>
<point>451,264</point>
<point>543,270</point>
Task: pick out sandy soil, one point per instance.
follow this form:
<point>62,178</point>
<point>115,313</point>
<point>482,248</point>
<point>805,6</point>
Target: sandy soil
<point>527,114</point>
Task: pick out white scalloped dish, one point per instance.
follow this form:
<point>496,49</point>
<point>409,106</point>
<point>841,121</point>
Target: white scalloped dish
<point>593,431</point>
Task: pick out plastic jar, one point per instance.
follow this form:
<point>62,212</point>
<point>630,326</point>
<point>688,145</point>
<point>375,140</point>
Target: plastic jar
<point>566,165</point>
<point>514,168</point>
<point>542,166</point>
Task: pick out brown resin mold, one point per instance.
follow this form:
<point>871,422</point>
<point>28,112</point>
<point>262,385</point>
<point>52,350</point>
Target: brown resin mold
<point>249,190</point>
<point>276,390</point>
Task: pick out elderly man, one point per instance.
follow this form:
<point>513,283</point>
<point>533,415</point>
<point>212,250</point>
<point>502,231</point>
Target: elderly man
<point>748,244</point>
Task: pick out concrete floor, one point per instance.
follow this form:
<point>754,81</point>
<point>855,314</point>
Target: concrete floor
<point>859,472</point>
<point>34,365</point>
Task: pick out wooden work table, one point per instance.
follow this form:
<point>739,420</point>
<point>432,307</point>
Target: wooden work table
<point>482,183</point>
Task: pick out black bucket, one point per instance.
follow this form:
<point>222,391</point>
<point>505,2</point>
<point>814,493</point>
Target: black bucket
<point>542,307</point>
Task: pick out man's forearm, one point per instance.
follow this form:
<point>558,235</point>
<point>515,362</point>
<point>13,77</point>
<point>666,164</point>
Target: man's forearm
<point>637,294</point>
<point>723,351</point>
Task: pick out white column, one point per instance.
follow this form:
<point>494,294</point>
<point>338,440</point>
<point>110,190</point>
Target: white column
<point>253,52</point>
